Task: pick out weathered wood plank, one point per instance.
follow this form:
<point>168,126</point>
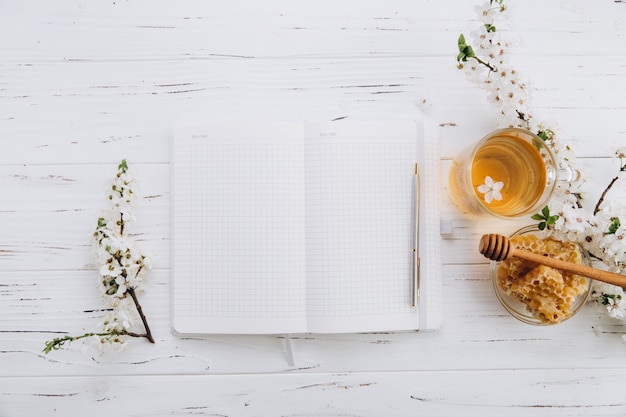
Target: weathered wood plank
<point>508,392</point>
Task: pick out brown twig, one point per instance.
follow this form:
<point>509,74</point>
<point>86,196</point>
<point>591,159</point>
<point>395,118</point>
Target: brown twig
<point>148,334</point>
<point>121,223</point>
<point>601,200</point>
<point>485,63</point>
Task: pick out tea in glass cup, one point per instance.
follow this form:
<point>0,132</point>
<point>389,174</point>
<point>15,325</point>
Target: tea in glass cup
<point>509,173</point>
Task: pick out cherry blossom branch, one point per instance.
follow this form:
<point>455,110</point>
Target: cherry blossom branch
<point>121,268</point>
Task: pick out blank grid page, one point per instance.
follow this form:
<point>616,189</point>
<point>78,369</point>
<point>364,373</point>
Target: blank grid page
<point>238,231</point>
<point>359,214</point>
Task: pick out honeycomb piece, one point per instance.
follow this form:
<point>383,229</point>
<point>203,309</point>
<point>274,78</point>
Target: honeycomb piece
<point>544,292</point>
<point>549,294</point>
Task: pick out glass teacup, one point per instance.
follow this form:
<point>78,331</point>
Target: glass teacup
<point>509,173</point>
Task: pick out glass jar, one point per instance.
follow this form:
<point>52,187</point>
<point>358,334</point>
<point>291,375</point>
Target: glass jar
<point>522,298</point>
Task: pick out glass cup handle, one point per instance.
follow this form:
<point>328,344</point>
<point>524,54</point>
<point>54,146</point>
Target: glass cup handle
<point>568,174</point>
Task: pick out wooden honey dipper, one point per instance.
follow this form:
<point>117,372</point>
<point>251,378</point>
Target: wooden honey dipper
<point>499,248</point>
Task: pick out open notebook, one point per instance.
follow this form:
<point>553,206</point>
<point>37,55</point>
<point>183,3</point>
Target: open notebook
<point>302,227</point>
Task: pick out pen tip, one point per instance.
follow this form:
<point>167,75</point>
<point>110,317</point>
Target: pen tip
<point>416,169</point>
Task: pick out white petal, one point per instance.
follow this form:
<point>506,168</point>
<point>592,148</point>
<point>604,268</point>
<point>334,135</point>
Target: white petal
<point>484,188</point>
<point>489,197</point>
<point>121,290</point>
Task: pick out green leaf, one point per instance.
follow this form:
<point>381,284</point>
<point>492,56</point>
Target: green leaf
<point>123,166</point>
<point>490,27</point>
<point>499,2</point>
<point>545,134</point>
<point>461,41</point>
<point>465,50</point>
<point>545,218</point>
<point>614,226</point>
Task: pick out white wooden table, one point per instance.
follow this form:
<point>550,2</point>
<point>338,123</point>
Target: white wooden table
<point>84,84</point>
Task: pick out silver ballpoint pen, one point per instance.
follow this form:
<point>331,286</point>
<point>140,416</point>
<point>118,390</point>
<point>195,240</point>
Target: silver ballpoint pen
<point>415,290</point>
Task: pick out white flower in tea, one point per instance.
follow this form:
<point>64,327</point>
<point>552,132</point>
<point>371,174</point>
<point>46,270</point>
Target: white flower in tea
<point>491,189</point>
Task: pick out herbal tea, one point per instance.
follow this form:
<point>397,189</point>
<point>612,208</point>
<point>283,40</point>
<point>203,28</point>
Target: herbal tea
<point>518,166</point>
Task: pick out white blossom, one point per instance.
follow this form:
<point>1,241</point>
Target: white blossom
<point>103,345</point>
<point>122,265</point>
<point>491,189</point>
<point>609,298</point>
